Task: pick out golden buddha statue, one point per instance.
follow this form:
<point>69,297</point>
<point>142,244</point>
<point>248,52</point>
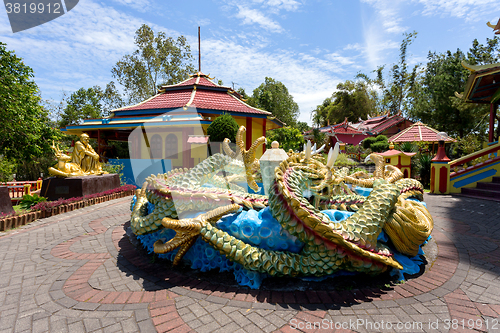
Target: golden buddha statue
<point>84,160</point>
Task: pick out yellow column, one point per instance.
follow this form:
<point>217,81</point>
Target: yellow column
<point>440,177</point>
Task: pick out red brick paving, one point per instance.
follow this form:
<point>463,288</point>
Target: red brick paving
<point>166,318</point>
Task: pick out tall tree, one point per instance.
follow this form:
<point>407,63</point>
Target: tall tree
<point>434,101</point>
<point>288,138</point>
<point>93,102</point>
<point>26,128</point>
<point>396,88</point>
<point>158,60</point>
<point>82,104</point>
<point>352,100</point>
<point>273,96</point>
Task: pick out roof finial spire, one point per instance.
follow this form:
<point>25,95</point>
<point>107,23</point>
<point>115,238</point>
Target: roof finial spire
<point>199,51</point>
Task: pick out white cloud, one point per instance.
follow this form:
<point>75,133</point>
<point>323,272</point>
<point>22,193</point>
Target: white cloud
<point>335,57</point>
<point>77,49</point>
<point>250,16</point>
<point>309,79</point>
<point>277,5</point>
<point>389,16</point>
<point>470,10</point>
<point>257,12</point>
<point>139,5</point>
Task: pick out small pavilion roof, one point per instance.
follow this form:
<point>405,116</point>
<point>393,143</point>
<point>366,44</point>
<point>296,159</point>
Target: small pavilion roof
<point>394,152</point>
<point>417,132</point>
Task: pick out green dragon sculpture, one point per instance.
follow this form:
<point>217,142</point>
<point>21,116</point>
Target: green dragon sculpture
<point>304,185</point>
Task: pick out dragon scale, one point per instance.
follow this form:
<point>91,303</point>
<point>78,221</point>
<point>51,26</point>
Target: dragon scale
<point>303,185</point>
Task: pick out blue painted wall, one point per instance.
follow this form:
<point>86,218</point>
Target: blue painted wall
<point>135,171</point>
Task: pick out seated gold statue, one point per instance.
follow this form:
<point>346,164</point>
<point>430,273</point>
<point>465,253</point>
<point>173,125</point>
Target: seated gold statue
<point>84,160</point>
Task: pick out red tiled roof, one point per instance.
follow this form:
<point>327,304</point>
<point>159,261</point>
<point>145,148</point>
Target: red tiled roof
<point>199,92</point>
<point>344,128</point>
<point>379,124</point>
<point>417,132</point>
<point>220,100</point>
<point>162,101</point>
<point>393,152</point>
<point>202,81</point>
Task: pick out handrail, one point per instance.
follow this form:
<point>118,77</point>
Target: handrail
<point>475,155</point>
<point>18,189</point>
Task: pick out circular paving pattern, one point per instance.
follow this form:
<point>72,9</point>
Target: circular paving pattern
<point>79,272</point>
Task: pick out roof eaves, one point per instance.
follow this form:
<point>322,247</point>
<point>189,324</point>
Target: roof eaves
<point>251,107</point>
<point>124,108</point>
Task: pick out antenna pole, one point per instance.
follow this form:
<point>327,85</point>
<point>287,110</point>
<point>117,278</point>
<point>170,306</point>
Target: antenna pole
<point>199,51</point>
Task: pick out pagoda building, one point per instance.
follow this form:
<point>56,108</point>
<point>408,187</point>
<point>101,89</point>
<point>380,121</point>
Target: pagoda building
<point>172,124</point>
<point>383,125</point>
<point>353,134</point>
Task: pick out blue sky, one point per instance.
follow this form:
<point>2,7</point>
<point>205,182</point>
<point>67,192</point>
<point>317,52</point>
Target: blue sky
<point>309,45</point>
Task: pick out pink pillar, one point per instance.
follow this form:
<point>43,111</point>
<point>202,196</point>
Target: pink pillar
<point>492,122</point>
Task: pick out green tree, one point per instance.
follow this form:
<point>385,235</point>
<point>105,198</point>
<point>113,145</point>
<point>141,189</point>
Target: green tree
<point>288,138</point>
<point>352,100</point>
<point>223,127</point>
<point>319,137</point>
<point>26,132</point>
<point>111,98</point>
<point>273,96</point>
<point>7,168</point>
<point>158,60</point>
<point>302,126</point>
<point>89,103</point>
<point>434,101</point>
<point>397,87</point>
<point>82,104</point>
<point>243,93</point>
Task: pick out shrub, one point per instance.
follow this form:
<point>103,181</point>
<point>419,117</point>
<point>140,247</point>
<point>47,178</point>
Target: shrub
<point>342,161</point>
<point>424,169</point>
<point>115,168</point>
<point>29,201</point>
<point>288,138</point>
<point>407,147</point>
<point>223,127</point>
<point>368,142</point>
<point>378,144</point>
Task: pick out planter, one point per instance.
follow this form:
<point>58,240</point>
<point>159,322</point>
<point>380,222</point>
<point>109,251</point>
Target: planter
<point>8,223</point>
<point>15,222</point>
<point>21,220</point>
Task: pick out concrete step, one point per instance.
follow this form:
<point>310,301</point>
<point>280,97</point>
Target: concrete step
<point>496,180</point>
<point>481,193</point>
<point>489,186</point>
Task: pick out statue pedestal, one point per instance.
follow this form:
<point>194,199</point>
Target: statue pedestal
<point>5,202</point>
<point>54,188</point>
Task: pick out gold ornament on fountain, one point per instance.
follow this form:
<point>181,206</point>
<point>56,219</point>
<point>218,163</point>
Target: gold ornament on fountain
<point>252,164</point>
<point>187,230</point>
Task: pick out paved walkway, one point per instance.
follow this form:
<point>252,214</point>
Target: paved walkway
<point>77,272</point>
